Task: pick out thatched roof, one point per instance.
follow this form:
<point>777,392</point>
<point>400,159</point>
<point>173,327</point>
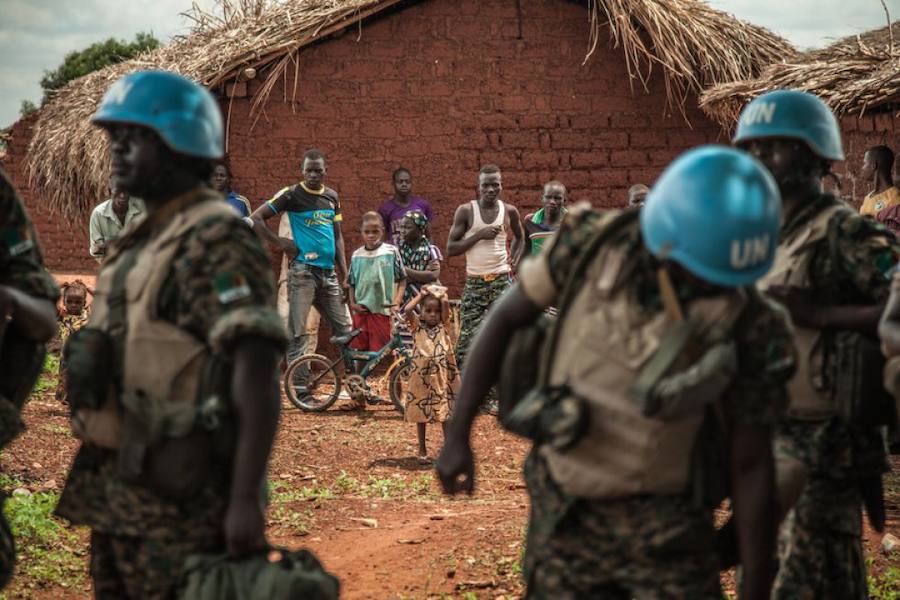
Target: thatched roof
<point>856,75</point>
<point>692,44</point>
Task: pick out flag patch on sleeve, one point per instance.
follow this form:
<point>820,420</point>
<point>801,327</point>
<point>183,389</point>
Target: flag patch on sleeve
<point>18,241</point>
<point>231,287</point>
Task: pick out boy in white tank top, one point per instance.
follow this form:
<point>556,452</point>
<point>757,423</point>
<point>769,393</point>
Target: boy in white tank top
<point>480,230</point>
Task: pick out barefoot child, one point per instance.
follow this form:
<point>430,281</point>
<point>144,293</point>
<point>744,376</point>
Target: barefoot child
<point>434,378</point>
<point>377,282</point>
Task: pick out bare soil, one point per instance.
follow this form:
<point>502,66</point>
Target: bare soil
<point>348,487</point>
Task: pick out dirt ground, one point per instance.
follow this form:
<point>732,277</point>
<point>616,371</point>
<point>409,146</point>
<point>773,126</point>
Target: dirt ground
<point>347,486</point>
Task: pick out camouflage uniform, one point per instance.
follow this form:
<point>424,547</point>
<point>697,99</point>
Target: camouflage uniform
<point>820,545</point>
<point>21,267</point>
<point>139,539</point>
<point>478,296</point>
<point>646,546</point>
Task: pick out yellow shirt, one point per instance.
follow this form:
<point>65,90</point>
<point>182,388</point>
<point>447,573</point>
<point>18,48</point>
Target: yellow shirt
<point>875,203</point>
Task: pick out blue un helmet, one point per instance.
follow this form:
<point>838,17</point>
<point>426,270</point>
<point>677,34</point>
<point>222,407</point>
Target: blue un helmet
<point>183,113</point>
<point>792,114</point>
<point>716,211</point>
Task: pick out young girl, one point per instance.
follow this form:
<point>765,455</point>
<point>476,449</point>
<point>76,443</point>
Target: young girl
<point>434,379</point>
<point>72,317</point>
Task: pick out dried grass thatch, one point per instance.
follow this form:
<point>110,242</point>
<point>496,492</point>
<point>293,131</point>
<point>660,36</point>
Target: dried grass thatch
<point>693,45</point>
<point>855,76</point>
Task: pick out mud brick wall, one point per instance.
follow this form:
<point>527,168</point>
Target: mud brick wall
<point>860,134</point>
<point>64,242</point>
<point>443,87</point>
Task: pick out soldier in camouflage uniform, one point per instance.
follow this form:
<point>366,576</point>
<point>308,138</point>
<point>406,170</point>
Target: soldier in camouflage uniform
<point>618,504</point>
<point>194,271</point>
<point>832,274</point>
<point>28,295</point>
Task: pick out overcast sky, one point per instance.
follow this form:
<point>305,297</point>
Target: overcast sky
<point>35,35</point>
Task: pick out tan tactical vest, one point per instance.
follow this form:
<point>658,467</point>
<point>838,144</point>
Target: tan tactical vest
<point>605,341</point>
<point>808,399</point>
<point>163,364</point>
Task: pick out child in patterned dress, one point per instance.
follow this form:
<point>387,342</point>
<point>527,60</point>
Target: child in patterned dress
<point>72,317</point>
<point>434,377</point>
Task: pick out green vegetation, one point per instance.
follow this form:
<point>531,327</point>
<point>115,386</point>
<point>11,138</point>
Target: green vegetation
<point>27,107</point>
<point>394,487</point>
<point>94,57</point>
<point>45,547</point>
<point>49,376</point>
<point>885,586</point>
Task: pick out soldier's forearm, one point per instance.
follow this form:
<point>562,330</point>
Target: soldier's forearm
<point>862,319</point>
<point>755,509</point>
<point>256,401</point>
<point>482,366</point>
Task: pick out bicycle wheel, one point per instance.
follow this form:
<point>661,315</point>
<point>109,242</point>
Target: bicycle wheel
<point>397,383</point>
<point>312,383</point>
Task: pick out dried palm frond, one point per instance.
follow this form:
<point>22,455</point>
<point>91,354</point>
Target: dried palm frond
<point>693,44</point>
<point>855,75</point>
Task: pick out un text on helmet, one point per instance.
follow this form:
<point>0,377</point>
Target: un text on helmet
<point>762,112</point>
<point>749,252</point>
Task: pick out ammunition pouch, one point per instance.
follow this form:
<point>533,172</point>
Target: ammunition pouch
<point>551,416</point>
<point>688,392</point>
<point>292,574</point>
<point>89,368</point>
<point>173,447</point>
<point>855,368</point>
<point>528,359</point>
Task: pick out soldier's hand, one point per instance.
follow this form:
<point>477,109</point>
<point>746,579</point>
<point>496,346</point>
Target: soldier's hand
<point>456,467</point>
<point>245,527</point>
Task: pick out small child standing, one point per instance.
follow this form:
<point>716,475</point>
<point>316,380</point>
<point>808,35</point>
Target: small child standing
<point>377,282</point>
<point>72,317</point>
<point>434,378</point>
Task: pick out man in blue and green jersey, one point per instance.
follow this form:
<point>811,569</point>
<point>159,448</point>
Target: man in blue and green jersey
<point>318,265</point>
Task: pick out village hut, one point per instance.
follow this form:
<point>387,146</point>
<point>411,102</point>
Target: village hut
<point>858,76</point>
<point>600,94</point>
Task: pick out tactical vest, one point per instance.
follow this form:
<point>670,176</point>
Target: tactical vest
<point>606,339</point>
<point>163,365</point>
<point>809,398</point>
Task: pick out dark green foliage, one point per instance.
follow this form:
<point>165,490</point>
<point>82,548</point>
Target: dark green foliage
<point>94,57</point>
<point>27,107</point>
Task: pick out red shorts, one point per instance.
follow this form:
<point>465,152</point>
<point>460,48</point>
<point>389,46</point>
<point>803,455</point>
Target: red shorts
<point>376,331</point>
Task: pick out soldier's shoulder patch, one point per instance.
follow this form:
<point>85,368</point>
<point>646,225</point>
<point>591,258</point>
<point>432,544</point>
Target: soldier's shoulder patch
<point>17,240</point>
<point>231,286</point>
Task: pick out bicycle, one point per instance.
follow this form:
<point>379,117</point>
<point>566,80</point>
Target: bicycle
<point>313,383</point>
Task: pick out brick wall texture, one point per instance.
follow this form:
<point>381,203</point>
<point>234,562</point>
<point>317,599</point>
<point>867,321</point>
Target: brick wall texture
<point>442,88</point>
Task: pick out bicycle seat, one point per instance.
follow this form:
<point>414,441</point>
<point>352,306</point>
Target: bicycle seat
<point>343,340</point>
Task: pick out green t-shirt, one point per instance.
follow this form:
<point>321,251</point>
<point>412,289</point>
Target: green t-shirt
<point>538,238</point>
<point>373,275</point>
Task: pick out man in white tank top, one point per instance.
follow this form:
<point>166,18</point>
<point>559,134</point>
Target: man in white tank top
<point>480,230</point>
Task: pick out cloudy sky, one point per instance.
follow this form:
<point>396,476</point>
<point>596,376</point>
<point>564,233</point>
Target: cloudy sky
<point>35,35</point>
